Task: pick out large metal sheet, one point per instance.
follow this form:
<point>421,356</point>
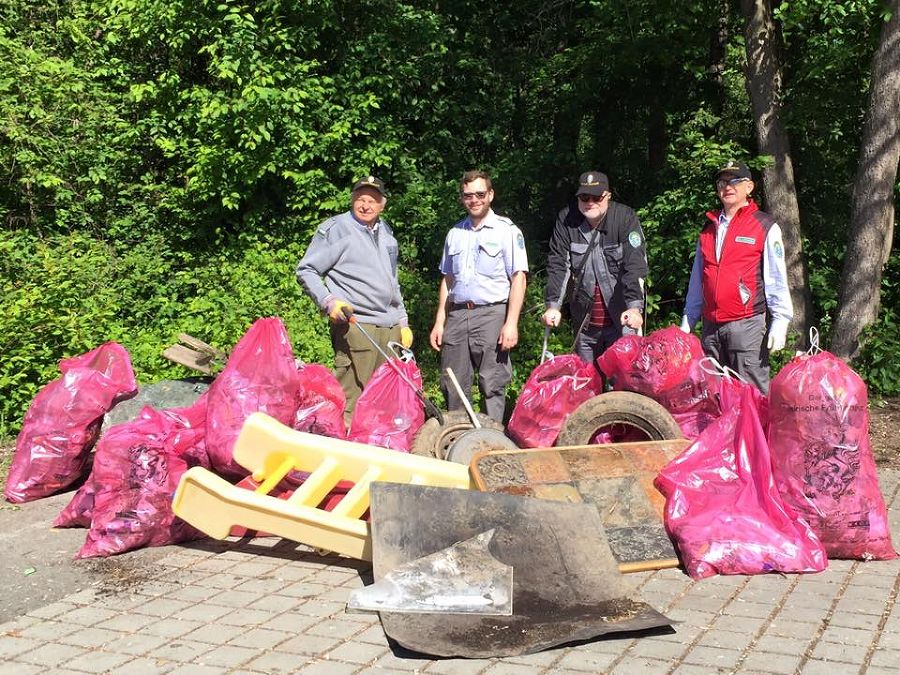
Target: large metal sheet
<point>566,583</point>
<point>617,479</point>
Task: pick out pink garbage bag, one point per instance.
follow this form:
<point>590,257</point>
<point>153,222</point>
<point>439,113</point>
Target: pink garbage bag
<point>665,366</point>
<point>77,513</point>
<point>320,403</point>
<point>260,376</point>
<point>553,391</point>
<point>722,508</point>
<point>136,471</point>
<point>823,463</point>
<point>388,413</point>
<point>63,422</point>
<point>185,429</point>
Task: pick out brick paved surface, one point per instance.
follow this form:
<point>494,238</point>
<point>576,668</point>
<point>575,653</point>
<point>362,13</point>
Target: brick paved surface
<point>271,606</point>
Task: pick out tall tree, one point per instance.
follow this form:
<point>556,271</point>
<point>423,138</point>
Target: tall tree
<point>872,203</point>
<point>762,36</point>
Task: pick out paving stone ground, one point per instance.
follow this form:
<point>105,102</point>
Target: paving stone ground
<point>272,606</point>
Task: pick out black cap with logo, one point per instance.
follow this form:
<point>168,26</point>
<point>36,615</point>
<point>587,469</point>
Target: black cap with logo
<point>592,183</point>
<point>735,168</point>
<point>370,182</point>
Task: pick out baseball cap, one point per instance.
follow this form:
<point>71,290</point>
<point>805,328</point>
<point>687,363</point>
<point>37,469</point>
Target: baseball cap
<point>735,168</point>
<point>592,183</point>
<point>370,182</point>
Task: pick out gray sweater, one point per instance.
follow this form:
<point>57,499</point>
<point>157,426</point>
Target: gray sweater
<point>359,266</point>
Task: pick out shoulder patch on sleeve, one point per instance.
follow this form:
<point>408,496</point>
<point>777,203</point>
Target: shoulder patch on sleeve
<point>779,249</point>
<point>520,240</point>
<point>634,238</point>
<point>325,227</point>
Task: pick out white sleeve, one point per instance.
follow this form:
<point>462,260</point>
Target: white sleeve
<point>693,303</point>
<point>778,292</point>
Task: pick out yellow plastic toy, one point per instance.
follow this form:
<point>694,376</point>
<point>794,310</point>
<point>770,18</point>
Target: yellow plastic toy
<point>270,450</point>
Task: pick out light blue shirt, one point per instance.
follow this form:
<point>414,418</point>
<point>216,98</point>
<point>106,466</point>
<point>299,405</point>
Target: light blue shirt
<point>479,263</point>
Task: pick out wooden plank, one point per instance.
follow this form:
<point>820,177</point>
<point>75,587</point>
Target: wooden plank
<point>186,356</point>
<point>200,346</point>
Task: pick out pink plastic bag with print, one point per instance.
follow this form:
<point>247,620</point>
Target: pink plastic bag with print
<point>553,391</point>
<point>722,508</point>
<point>260,376</point>
<point>136,471</point>
<point>823,463</point>
<point>63,422</point>
<point>185,438</point>
<point>388,414</point>
<point>665,366</point>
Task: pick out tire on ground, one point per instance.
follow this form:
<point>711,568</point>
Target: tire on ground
<point>618,407</point>
<point>433,439</point>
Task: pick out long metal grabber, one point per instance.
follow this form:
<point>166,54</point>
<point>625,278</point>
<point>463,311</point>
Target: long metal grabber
<point>430,407</point>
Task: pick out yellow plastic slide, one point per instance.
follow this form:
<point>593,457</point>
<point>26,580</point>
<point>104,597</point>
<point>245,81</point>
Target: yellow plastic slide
<point>270,450</point>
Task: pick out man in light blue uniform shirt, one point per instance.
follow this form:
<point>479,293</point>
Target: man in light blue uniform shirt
<point>484,268</point>
<point>356,253</point>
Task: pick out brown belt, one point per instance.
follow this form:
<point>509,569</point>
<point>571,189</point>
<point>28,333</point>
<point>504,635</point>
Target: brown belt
<point>473,305</point>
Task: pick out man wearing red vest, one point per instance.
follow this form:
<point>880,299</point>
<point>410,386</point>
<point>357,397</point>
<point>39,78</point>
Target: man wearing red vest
<point>738,278</point>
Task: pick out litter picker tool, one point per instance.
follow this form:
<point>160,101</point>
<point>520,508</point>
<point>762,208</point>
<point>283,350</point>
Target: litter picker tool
<point>477,439</point>
<point>544,353</point>
<point>430,407</point>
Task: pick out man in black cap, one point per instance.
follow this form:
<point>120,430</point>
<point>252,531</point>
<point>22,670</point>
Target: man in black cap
<point>356,254</point>
<point>598,252</point>
<point>738,277</point>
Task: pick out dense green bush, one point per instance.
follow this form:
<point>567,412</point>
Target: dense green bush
<point>166,162</point>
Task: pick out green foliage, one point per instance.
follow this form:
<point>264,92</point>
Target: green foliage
<point>167,161</point>
<point>67,294</point>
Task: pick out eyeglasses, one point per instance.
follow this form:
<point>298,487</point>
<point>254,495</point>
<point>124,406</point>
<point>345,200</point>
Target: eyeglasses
<point>721,184</point>
<point>473,195</point>
<point>593,198</point>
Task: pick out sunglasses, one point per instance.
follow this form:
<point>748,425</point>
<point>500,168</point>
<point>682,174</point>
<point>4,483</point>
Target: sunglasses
<point>474,195</point>
<point>721,184</point>
<point>593,198</point>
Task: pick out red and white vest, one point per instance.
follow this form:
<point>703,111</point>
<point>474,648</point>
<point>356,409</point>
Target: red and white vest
<point>733,286</point>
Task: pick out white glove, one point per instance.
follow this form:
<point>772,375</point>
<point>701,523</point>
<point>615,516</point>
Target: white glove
<point>777,337</point>
<point>685,325</point>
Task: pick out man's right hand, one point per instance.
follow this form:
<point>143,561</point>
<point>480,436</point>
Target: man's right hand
<point>551,317</point>
<point>339,311</point>
<point>437,337</point>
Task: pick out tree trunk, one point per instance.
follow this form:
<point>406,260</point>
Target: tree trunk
<point>872,204</point>
<point>764,84</point>
<point>718,52</point>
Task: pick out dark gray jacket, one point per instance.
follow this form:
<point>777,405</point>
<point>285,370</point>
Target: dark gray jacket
<point>617,264</point>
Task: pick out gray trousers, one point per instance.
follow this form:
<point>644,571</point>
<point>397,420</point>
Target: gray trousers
<point>740,345</point>
<point>591,342</point>
<point>469,344</point>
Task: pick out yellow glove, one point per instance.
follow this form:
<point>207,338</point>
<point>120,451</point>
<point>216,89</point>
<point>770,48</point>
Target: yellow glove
<point>338,311</point>
<point>406,337</point>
